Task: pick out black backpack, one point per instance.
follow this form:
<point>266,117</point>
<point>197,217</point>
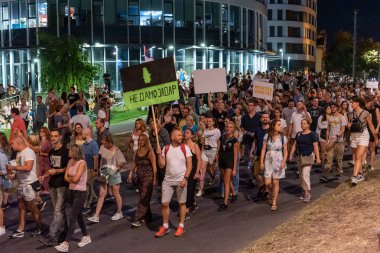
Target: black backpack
<point>356,125</point>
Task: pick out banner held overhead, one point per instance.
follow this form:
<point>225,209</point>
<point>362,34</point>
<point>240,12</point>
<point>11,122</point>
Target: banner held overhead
<point>149,83</point>
<point>262,90</point>
<point>210,80</point>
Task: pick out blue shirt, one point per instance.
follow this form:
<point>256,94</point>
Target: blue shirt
<point>259,137</point>
<point>194,128</point>
<point>90,150</point>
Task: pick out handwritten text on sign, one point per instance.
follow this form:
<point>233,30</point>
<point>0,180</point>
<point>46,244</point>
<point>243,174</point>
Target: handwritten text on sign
<point>262,90</point>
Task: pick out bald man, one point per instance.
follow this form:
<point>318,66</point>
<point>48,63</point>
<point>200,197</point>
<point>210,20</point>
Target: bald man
<point>24,171</point>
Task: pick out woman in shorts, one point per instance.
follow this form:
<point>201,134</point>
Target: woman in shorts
<point>322,132</point>
<point>360,121</point>
<point>112,160</point>
<point>228,160</point>
<point>210,147</point>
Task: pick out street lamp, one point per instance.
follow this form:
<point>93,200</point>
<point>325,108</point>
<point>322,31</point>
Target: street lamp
<point>282,57</point>
<point>289,63</point>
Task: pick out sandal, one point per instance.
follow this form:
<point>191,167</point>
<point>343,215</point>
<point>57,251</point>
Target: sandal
<point>273,208</point>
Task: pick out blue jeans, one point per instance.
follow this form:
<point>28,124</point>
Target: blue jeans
<point>58,226</point>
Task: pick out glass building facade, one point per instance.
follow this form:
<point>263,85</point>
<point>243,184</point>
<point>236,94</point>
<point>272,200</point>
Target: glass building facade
<point>199,34</point>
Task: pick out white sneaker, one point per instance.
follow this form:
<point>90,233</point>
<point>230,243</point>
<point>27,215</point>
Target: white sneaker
<point>94,219</point>
<point>117,216</point>
<point>2,231</point>
<point>85,240</point>
<point>63,247</point>
<point>199,193</point>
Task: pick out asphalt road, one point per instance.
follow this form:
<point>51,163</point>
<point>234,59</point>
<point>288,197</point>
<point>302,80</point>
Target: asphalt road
<point>207,230</point>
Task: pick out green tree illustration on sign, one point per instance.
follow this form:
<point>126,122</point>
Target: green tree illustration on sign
<point>146,76</point>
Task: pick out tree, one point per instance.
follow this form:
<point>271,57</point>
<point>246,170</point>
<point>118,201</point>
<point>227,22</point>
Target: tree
<point>339,57</point>
<point>64,63</point>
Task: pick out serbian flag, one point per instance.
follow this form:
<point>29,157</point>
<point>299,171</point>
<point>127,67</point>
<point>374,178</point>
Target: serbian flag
<point>147,55</point>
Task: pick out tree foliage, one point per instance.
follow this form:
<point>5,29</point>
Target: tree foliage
<point>64,63</point>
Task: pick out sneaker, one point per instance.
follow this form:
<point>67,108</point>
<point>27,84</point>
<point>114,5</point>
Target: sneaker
<point>63,247</point>
<point>307,198</point>
<point>359,177</point>
<point>48,241</point>
<point>86,210</point>
<point>137,224</point>
<point>222,207</point>
<point>199,193</point>
<point>16,234</point>
<point>261,191</point>
<point>36,232</point>
<point>162,231</point>
<point>94,219</point>
<point>234,198</point>
<point>117,216</point>
<point>323,179</point>
<point>302,197</point>
<point>337,177</point>
<point>41,206</point>
<point>179,232</point>
<point>85,240</point>
<point>2,231</point>
<point>137,190</point>
<point>187,216</point>
<point>354,181</point>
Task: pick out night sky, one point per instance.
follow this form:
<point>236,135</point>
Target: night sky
<point>335,15</point>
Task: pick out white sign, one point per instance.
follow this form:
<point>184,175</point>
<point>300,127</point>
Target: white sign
<point>372,85</point>
<point>262,90</point>
<point>210,80</point>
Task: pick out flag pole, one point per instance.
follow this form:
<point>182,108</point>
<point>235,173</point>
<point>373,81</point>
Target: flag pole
<point>155,124</point>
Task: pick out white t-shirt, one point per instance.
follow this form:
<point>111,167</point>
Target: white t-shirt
<point>211,137</point>
<point>296,121</point>
<point>102,115</point>
<point>175,163</point>
<point>24,115</point>
<point>26,177</point>
<point>84,120</point>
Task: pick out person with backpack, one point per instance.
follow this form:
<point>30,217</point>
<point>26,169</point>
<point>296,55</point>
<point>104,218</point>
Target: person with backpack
<point>306,145</point>
<point>335,143</point>
<point>359,122</point>
<point>177,159</point>
<point>274,152</point>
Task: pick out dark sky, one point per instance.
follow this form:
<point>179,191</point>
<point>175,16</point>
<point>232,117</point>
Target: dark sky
<point>335,15</point>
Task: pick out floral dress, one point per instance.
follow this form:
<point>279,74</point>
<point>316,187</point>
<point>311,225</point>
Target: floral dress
<point>274,157</point>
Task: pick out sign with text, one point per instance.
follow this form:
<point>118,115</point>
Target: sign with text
<point>210,80</point>
<point>149,83</point>
<point>262,90</point>
<point>372,85</point>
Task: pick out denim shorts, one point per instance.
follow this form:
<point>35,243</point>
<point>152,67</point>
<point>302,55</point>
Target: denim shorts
<point>114,177</point>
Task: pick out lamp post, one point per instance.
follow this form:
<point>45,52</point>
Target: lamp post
<point>289,63</point>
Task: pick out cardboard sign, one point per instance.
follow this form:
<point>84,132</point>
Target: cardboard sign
<point>372,85</point>
<point>262,90</point>
<point>210,80</point>
<point>149,83</point>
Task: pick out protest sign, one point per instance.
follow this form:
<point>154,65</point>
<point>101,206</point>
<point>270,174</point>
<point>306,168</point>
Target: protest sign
<point>150,83</point>
<point>262,90</point>
<point>372,85</point>
<point>210,80</point>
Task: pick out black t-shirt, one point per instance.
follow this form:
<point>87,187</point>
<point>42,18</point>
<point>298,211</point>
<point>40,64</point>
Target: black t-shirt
<point>219,115</point>
<point>315,113</point>
<point>227,146</point>
<point>58,160</point>
<point>305,143</point>
<point>72,99</point>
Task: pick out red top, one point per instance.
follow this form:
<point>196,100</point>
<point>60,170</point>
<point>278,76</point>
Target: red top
<point>18,123</point>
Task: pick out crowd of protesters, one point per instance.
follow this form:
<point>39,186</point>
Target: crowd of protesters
<point>197,142</point>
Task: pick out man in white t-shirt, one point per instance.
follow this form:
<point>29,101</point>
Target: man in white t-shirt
<point>81,118</point>
<point>26,175</point>
<point>297,117</point>
<point>177,159</point>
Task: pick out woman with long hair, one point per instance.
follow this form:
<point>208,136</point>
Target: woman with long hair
<point>83,101</point>
<point>306,143</point>
<point>278,116</point>
<point>76,176</point>
<point>112,160</point>
<point>77,137</point>
<point>140,128</point>
<point>322,132</point>
<point>5,183</point>
<point>144,165</point>
<point>359,122</point>
<point>344,110</point>
<point>191,205</point>
<point>43,159</point>
<point>229,148</point>
<point>189,124</point>
<point>273,161</point>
